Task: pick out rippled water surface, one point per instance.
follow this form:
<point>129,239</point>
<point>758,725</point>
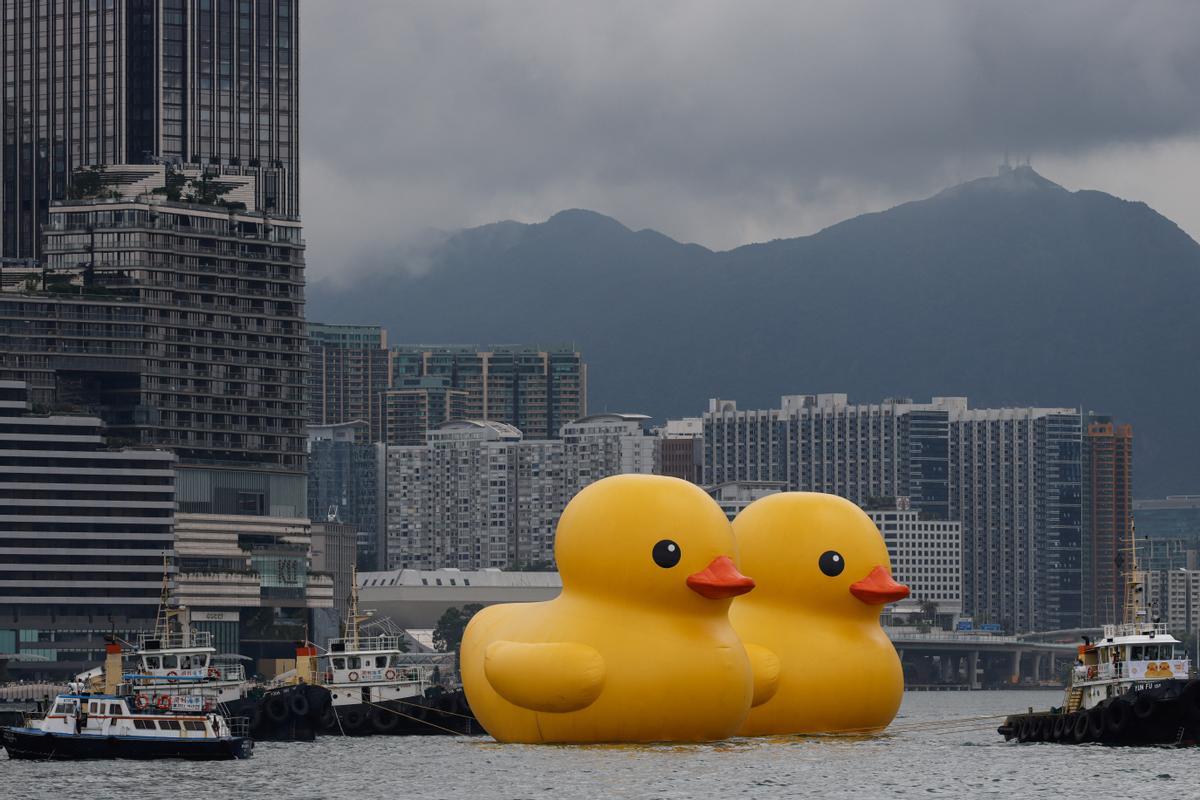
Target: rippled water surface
<point>916,758</point>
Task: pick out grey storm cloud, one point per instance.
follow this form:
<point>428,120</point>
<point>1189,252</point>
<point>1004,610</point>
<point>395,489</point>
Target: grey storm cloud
<point>723,123</point>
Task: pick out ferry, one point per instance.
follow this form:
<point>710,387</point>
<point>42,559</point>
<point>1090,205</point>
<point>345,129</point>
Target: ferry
<point>86,725</point>
<point>1132,686</point>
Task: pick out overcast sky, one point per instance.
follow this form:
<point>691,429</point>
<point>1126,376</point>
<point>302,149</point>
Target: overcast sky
<point>726,123</point>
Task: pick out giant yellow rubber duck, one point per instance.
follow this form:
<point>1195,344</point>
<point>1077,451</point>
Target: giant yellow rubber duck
<point>638,646</point>
<point>823,576</point>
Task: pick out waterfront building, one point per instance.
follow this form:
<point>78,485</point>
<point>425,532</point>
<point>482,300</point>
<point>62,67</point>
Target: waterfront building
<point>1108,453</point>
<point>414,406</point>
<point>1016,486</point>
<point>347,374</point>
<point>926,557</point>
<point>533,389</point>
<point>417,598</point>
<point>344,485</point>
<point>85,530</point>
<point>143,82</point>
<point>823,443</point>
<point>1012,478</point>
<point>479,495</point>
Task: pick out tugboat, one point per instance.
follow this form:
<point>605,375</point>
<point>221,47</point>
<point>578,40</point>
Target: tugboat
<point>1131,687</point>
<point>377,688</point>
<point>178,669</point>
<point>85,725</point>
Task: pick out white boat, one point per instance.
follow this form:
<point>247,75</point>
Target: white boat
<point>377,687</point>
<point>89,726</point>
<point>1133,685</point>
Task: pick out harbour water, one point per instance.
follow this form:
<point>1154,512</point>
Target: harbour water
<point>922,755</point>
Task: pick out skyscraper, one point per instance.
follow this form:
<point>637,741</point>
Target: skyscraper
<point>150,160</point>
<point>1108,452</point>
<point>89,84</point>
<point>1011,476</point>
<point>347,374</point>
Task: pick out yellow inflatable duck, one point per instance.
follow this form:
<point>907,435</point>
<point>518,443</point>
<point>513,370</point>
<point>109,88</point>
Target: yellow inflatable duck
<point>823,576</point>
<point>638,646</point>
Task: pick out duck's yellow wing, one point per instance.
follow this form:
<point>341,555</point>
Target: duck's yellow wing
<point>764,664</point>
<point>554,676</point>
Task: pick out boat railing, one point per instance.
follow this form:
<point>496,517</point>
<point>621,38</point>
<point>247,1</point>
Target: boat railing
<point>238,726</point>
<point>1135,629</point>
<point>227,670</point>
<point>352,644</point>
<point>174,641</point>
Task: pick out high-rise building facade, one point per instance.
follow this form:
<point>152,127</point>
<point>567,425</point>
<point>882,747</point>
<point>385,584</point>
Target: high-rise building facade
<point>1016,486</point>
<point>1012,477</point>
<point>414,406</point>
<point>1108,456</point>
<point>87,84</point>
<point>823,443</point>
<point>85,531</point>
<point>181,325</point>
<point>926,556</point>
<point>600,445</point>
<point>347,375</point>
<point>535,390</point>
<point>478,495</point>
<point>344,485</point>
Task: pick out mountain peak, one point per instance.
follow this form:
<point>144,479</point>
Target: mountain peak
<point>581,219</point>
<point>1020,179</point>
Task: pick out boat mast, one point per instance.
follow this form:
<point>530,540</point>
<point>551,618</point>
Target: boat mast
<point>1135,610</point>
<point>353,618</point>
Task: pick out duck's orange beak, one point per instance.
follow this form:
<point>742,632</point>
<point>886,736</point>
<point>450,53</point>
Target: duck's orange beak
<point>719,579</point>
<point>878,588</point>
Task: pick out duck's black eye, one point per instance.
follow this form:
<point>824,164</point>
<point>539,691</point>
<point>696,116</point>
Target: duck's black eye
<point>832,563</point>
<point>666,554</point>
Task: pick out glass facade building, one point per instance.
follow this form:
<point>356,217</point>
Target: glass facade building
<point>101,82</point>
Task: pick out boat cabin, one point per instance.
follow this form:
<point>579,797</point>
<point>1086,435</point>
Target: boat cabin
<point>373,659</point>
<point>1134,652</point>
<point>110,715</point>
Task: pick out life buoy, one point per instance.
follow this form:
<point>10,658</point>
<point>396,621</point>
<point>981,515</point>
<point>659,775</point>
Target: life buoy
<point>353,676</point>
<point>1091,672</point>
<point>390,674</point>
<point>141,701</point>
<point>172,674</point>
<point>164,702</point>
<point>214,673</point>
<point>208,705</point>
